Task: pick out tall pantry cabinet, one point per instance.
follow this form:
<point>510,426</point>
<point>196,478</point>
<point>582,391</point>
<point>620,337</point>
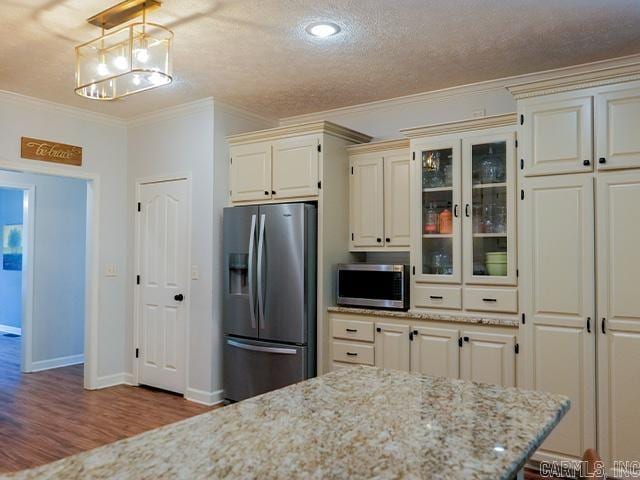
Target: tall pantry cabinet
<point>579,256</point>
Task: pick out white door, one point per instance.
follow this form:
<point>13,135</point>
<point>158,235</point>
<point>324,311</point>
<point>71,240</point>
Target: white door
<point>558,303</point>
<point>617,114</point>
<point>396,200</point>
<point>618,316</point>
<point>556,135</point>
<point>250,172</point>
<point>435,351</point>
<point>366,192</point>
<point>392,346</point>
<point>295,167</point>
<point>164,233</point>
<point>488,358</point>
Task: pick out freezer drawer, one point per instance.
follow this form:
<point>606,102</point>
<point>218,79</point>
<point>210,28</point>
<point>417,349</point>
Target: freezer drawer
<point>253,367</point>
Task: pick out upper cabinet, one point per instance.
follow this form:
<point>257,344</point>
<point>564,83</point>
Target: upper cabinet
<point>379,196</point>
<point>282,164</point>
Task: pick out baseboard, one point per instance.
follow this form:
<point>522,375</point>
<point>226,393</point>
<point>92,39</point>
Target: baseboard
<point>114,379</point>
<point>8,329</point>
<point>205,398</point>
<point>56,362</point>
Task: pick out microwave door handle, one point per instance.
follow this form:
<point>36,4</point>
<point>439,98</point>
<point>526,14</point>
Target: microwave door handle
<point>252,236</point>
<point>260,255</point>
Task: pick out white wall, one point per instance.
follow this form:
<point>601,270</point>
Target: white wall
<point>57,329</point>
<point>104,149</point>
<point>180,140</point>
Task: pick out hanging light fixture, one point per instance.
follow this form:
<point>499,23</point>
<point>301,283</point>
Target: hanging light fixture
<point>129,60</point>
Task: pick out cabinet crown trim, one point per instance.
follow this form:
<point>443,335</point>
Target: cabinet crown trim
<point>300,129</point>
<point>480,123</point>
<point>574,81</point>
<point>381,146</point>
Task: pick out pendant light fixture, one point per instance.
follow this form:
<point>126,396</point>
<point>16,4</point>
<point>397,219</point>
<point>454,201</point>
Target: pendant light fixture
<point>129,60</point>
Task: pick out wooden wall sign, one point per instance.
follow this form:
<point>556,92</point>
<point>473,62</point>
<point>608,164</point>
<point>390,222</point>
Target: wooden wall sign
<point>34,149</point>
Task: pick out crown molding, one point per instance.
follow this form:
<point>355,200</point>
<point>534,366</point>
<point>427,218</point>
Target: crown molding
<point>244,113</point>
<point>381,146</point>
<point>59,108</point>
<point>470,89</point>
<point>573,81</point>
<point>481,123</point>
<point>172,112</point>
<point>322,127</point>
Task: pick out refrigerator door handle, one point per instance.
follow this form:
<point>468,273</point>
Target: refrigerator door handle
<point>260,254</point>
<point>252,306</point>
<point>257,348</point>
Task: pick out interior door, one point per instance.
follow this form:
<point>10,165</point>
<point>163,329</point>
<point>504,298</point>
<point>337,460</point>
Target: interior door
<point>366,191</point>
<point>396,200</point>
<point>435,351</point>
<point>250,172</point>
<point>559,304</point>
<point>295,167</point>
<point>619,317</point>
<point>163,284</point>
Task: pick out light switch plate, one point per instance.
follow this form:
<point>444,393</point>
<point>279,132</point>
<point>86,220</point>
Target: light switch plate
<point>195,272</point>
<point>110,270</point>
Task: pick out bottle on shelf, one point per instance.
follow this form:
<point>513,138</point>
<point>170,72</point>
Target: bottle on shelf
<point>446,220</point>
<point>431,220</point>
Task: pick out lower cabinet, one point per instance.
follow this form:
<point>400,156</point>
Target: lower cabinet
<point>477,353</point>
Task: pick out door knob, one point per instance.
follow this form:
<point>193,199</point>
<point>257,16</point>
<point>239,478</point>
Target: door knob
<point>179,297</point>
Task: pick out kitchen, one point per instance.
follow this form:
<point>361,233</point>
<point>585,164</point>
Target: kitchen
<point>384,271</point>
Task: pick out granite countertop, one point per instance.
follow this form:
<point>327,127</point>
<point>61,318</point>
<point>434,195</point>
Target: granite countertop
<point>360,422</point>
<point>443,317</point>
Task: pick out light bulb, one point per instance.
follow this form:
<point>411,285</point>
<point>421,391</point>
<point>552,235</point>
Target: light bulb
<point>136,80</point>
<point>142,55</point>
<point>102,69</point>
<point>323,30</point>
<point>121,62</point>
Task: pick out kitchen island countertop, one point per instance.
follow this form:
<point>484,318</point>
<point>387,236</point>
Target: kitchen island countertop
<point>360,422</point>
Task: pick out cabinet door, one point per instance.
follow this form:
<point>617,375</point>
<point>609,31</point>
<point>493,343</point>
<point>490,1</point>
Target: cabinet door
<point>488,358</point>
<point>617,116</point>
<point>366,191</point>
<point>619,308</point>
<point>250,172</point>
<point>436,249</point>
<point>392,346</point>
<point>396,200</point>
<point>435,351</point>
<point>558,301</point>
<point>295,167</point>
<point>557,136</point>
<point>489,222</point>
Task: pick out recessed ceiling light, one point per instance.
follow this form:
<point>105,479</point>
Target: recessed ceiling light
<point>323,29</point>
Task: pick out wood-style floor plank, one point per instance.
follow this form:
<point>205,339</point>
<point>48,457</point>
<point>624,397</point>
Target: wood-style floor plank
<point>46,416</point>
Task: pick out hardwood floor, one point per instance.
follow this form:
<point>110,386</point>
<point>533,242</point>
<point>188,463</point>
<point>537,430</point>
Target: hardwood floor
<point>47,415</point>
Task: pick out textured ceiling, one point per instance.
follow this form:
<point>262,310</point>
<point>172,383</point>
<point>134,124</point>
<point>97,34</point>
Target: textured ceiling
<point>255,53</point>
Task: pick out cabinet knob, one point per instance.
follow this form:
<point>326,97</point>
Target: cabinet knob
<point>266,193</point>
<point>378,329</point>
<point>602,160</point>
<point>466,210</point>
<point>586,163</point>
<point>379,240</point>
<point>273,192</point>
<point>388,240</point>
<point>466,339</point>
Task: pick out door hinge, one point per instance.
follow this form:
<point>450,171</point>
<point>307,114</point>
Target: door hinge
<point>517,272</point>
<point>137,352</point>
<point>414,269</point>
<point>139,207</point>
<point>524,320</point>
<point>411,336</point>
<point>319,148</point>
<point>522,164</point>
<point>137,279</point>
<point>516,143</point>
<point>353,237</point>
<point>414,155</point>
<point>231,160</point>
<point>319,184</point>
<point>460,341</point>
<point>517,348</point>
<point>351,170</point>
<point>521,194</point>
<point>521,119</point>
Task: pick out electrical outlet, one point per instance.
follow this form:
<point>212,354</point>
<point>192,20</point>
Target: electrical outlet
<point>110,270</point>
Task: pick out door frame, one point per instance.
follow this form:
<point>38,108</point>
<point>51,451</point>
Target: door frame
<point>140,182</point>
<point>92,263</point>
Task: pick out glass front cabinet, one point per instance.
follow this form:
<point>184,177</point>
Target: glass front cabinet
<point>464,224</point>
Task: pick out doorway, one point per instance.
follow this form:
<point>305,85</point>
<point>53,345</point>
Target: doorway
<point>163,231</point>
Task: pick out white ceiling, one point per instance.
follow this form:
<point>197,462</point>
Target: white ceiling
<point>255,53</point>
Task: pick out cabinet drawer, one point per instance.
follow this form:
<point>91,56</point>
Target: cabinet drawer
<point>491,299</point>
<point>353,353</point>
<point>353,330</point>
<point>437,297</point>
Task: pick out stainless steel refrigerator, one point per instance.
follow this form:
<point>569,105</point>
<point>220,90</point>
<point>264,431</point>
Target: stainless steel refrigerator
<point>269,297</point>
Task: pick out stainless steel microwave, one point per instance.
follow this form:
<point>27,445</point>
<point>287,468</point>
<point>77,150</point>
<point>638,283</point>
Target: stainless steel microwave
<point>373,285</point>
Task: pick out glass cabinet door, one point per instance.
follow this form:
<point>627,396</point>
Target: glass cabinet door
<point>438,216</point>
<point>489,206</point>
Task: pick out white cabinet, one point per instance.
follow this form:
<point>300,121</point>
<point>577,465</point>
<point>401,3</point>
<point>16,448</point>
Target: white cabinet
<point>558,261</point>
<point>556,134</point>
<point>295,167</point>
<point>379,196</point>
<point>488,358</point>
<point>366,192</point>
<point>618,315</point>
<point>392,346</point>
<point>250,172</point>
<point>617,113</point>
<point>435,351</point>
